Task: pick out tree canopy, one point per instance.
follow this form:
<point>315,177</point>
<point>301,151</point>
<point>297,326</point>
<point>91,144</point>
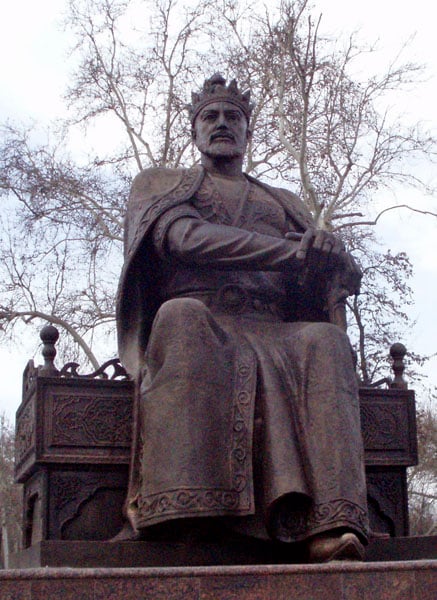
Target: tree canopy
<point>10,496</point>
<point>320,126</point>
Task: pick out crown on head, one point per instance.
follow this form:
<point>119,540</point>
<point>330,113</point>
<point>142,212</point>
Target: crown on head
<point>215,90</point>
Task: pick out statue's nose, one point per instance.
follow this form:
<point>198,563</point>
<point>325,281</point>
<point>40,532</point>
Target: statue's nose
<point>222,122</point>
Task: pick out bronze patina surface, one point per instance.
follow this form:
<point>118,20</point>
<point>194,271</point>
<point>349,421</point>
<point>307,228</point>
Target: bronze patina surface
<point>229,319</point>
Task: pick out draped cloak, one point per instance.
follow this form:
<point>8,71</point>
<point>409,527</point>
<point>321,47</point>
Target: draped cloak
<point>237,415</point>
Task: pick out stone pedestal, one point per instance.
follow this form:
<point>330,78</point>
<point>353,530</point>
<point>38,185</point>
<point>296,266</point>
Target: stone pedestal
<point>73,449</point>
<point>242,551</point>
<point>416,580</point>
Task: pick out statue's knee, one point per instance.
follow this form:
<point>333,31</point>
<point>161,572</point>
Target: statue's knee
<point>324,333</point>
<point>180,312</point>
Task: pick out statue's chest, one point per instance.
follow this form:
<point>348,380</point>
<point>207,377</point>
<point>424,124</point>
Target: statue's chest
<point>239,203</point>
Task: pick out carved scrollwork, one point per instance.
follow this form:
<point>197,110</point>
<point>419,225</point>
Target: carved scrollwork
<point>245,377</point>
<point>69,491</point>
<point>295,524</point>
<point>387,502</point>
<point>90,420</point>
<point>71,370</point>
<point>385,488</point>
<point>199,500</point>
<point>192,500</point>
<point>29,377</point>
<point>383,426</point>
<point>25,432</point>
<point>337,511</point>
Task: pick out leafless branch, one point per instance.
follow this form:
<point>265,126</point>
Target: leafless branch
<point>376,219</point>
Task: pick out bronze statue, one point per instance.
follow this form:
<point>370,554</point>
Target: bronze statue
<point>247,400</point>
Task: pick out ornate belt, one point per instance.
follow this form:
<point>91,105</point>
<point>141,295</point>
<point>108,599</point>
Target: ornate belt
<point>233,299</point>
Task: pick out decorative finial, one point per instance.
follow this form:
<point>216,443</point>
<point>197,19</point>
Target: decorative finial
<point>398,352</point>
<point>49,336</point>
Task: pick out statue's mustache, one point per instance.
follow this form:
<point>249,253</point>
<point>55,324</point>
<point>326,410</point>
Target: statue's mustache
<point>222,134</point>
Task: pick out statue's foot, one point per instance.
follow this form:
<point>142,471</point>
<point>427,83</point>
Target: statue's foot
<point>127,534</point>
<point>380,535</point>
<point>324,548</point>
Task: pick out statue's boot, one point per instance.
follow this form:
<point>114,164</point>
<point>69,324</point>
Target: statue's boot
<point>324,548</point>
<point>127,534</point>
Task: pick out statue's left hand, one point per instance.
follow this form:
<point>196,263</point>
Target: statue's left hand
<point>318,242</point>
<point>321,252</point>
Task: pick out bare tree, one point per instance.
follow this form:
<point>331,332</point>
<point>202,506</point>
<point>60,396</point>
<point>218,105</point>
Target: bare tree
<point>343,139</point>
<point>422,479</point>
<point>144,88</point>
<point>10,496</point>
<point>317,127</point>
<point>62,234</point>
<point>335,137</point>
<point>62,237</point>
<point>329,134</point>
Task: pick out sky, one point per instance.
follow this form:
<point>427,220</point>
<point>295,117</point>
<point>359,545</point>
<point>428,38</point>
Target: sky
<point>34,74</point>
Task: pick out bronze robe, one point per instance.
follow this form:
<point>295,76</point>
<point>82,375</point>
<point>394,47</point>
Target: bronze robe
<point>243,410</point>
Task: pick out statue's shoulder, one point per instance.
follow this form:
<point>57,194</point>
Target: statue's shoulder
<point>155,181</point>
<point>154,191</point>
<point>156,174</point>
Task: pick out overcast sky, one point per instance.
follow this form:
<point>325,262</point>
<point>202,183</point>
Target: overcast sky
<point>33,75</point>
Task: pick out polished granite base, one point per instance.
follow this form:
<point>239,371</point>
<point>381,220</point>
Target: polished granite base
<point>410,580</point>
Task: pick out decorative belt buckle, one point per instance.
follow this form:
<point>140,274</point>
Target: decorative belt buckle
<point>233,299</point>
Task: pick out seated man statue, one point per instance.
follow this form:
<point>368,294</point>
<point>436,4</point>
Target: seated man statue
<point>247,408</point>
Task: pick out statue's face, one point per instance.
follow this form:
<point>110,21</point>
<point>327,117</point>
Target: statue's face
<point>221,130</point>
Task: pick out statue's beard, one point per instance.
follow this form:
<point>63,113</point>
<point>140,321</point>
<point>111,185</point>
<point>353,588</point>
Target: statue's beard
<point>221,150</point>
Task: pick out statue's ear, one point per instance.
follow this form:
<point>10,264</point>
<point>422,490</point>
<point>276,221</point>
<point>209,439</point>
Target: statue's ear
<point>248,134</point>
<point>193,134</point>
